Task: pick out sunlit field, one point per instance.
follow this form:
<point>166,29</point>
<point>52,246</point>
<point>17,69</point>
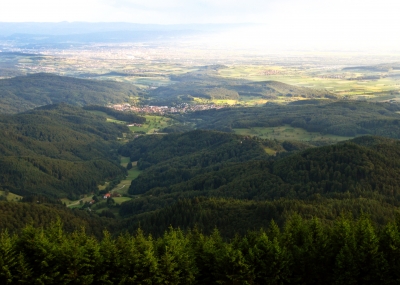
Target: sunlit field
<point>153,124</point>
<point>338,81</point>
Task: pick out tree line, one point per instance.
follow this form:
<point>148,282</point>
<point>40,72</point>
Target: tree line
<point>304,252</point>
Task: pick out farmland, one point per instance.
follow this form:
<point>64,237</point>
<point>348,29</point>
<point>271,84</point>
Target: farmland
<point>339,81</point>
<point>150,67</point>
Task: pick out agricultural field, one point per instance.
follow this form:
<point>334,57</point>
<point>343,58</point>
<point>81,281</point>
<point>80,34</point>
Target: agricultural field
<point>117,63</point>
<point>287,132</point>
<point>150,67</point>
<point>346,83</point>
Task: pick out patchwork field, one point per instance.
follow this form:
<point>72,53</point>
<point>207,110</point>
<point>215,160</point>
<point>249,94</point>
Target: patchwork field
<point>338,81</point>
<point>152,67</point>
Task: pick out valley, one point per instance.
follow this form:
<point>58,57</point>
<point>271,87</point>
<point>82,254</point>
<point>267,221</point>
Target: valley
<point>187,164</point>
<point>149,66</point>
<point>199,142</point>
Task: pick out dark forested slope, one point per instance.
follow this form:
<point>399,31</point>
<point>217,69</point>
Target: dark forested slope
<point>57,150</point>
<point>343,118</point>
<point>178,158</point>
<point>16,215</point>
<point>22,93</point>
<point>359,175</point>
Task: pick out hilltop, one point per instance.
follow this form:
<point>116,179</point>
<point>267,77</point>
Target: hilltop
<point>22,93</point>
<point>233,179</point>
<point>58,151</point>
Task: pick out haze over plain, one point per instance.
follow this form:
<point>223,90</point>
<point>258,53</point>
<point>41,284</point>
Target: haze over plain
<point>277,25</point>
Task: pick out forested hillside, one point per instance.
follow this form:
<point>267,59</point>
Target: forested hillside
<point>359,176</point>
<point>22,93</point>
<point>343,118</point>
<point>177,158</point>
<point>58,150</point>
<point>14,216</point>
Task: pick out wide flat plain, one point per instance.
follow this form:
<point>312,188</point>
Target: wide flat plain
<point>338,81</point>
<point>153,66</point>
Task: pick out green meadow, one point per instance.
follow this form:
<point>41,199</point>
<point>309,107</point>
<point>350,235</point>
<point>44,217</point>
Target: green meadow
<point>10,196</point>
<point>153,124</point>
<point>77,203</point>
<point>133,173</point>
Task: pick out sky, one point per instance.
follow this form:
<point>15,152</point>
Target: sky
<point>318,23</point>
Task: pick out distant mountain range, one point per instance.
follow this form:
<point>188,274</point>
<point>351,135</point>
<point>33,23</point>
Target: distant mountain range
<point>81,32</point>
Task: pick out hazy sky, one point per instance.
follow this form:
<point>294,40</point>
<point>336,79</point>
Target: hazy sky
<point>296,22</point>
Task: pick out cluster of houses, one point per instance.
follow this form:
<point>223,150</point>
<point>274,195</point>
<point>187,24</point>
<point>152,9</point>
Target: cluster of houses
<point>110,195</point>
<point>271,72</point>
<point>106,196</point>
<point>332,76</point>
<point>161,110</point>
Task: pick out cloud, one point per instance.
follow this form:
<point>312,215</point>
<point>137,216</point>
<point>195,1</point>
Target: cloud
<point>194,11</point>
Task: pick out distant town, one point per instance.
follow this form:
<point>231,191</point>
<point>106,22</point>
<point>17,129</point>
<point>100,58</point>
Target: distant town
<point>161,110</point>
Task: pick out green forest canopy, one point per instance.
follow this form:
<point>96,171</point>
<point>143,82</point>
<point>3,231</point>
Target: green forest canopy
<point>58,150</point>
<point>343,118</point>
<point>22,93</point>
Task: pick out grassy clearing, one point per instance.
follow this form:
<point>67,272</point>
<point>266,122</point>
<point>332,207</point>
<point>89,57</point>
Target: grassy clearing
<point>269,151</point>
<point>76,203</point>
<point>153,124</point>
<point>10,196</point>
<point>287,132</point>
<point>225,102</point>
<point>115,121</point>
<point>125,160</point>
<point>102,187</point>
<point>123,186</point>
<point>248,101</point>
<point>119,200</point>
<point>133,173</point>
<point>100,113</point>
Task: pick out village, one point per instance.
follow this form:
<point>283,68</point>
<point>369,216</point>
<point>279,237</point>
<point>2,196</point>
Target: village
<point>161,110</point>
